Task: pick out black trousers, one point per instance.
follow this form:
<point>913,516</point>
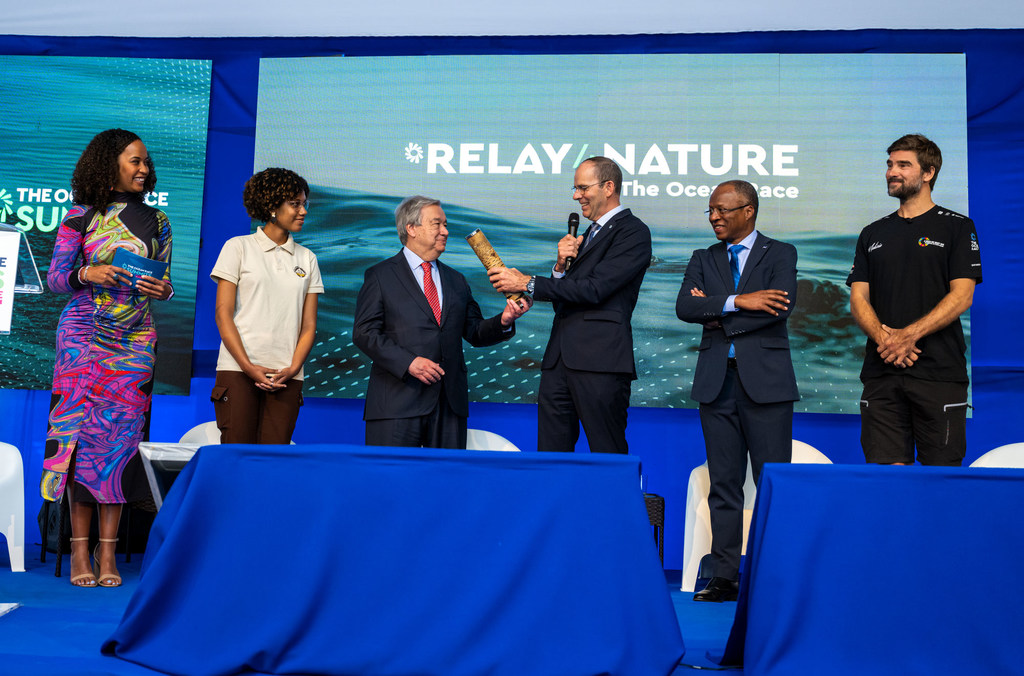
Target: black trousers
<point>735,425</point>
<point>568,397</point>
<point>441,428</point>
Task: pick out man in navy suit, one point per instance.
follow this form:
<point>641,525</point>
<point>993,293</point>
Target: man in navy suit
<point>412,314</point>
<point>741,290</point>
<point>588,367</point>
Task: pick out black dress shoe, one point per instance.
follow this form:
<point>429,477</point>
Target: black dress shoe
<point>719,589</point>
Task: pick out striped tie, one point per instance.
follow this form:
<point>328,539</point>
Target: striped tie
<point>431,292</point>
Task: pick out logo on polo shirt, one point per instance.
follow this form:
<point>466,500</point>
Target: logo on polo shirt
<point>924,241</point>
<point>874,245</point>
<point>299,271</point>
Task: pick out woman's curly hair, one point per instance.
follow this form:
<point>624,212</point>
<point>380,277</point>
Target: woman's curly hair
<point>266,191</point>
<point>96,172</point>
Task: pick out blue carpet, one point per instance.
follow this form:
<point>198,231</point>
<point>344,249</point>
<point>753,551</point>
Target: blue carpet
<point>705,628</point>
<point>58,629</point>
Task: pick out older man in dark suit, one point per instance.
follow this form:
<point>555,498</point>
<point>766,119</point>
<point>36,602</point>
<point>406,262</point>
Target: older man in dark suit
<point>412,314</point>
<point>742,290</point>
<point>588,367</point>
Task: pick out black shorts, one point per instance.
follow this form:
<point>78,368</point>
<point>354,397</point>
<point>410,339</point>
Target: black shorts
<point>899,412</point>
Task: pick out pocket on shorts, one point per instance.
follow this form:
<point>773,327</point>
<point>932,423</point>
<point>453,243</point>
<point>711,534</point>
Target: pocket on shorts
<point>954,417</point>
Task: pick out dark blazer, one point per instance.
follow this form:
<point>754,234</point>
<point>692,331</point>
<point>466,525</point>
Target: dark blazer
<point>762,342</point>
<point>394,324</point>
<point>593,303</point>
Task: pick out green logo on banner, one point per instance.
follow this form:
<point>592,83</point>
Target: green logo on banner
<point>6,205</point>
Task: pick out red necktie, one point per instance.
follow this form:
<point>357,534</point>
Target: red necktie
<point>431,292</point>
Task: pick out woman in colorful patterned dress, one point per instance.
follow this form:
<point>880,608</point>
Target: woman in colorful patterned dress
<point>106,342</point>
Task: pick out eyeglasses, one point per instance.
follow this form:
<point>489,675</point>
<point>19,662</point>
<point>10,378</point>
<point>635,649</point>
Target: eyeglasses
<point>723,212</point>
<point>582,189</point>
<point>295,204</point>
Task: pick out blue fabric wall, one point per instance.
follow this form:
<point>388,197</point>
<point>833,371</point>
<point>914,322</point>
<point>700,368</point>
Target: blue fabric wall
<point>668,441</point>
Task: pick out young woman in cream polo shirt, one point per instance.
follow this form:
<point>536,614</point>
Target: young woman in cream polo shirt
<point>267,287</point>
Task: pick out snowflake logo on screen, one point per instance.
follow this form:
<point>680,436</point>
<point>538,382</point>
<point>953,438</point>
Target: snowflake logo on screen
<point>6,205</point>
<point>414,153</point>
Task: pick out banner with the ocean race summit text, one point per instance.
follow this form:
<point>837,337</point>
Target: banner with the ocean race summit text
<point>497,139</point>
<point>51,108</point>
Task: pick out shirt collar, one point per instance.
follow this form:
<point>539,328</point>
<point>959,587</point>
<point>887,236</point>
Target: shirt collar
<point>267,244</point>
<point>747,241</point>
<point>414,260</point>
<point>608,215</point>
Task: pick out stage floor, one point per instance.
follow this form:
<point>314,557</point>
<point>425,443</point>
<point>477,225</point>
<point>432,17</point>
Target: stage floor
<point>57,629</point>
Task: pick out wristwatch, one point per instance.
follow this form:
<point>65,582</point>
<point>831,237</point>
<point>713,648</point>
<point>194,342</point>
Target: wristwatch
<point>530,284</point>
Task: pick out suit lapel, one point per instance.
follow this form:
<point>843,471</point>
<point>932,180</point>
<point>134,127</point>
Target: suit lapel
<point>584,251</point>
<point>720,253</point>
<point>447,289</point>
<point>758,251</point>
<point>408,281</point>
<point>601,237</point>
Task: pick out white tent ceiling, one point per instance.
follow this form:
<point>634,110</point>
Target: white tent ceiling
<point>222,18</point>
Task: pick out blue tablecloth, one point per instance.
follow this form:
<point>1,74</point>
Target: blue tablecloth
<point>883,570</point>
<point>348,560</point>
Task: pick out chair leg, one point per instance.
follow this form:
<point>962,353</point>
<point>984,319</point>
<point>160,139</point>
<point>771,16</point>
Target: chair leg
<point>60,532</point>
<point>127,533</point>
<point>46,530</point>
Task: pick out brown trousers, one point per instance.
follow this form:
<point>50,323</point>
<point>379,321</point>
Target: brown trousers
<point>249,415</point>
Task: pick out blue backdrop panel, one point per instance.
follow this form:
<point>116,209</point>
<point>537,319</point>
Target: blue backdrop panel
<point>669,441</point>
<point>882,570</point>
<point>346,560</point>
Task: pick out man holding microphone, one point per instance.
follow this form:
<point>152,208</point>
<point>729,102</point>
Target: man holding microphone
<point>588,367</point>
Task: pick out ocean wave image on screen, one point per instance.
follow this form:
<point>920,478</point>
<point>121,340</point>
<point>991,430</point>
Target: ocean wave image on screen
<point>350,231</point>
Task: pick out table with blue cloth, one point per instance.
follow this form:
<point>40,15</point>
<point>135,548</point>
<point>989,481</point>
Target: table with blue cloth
<point>339,559</point>
<point>882,570</point>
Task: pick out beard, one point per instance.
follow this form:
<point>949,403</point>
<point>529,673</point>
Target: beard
<point>904,190</point>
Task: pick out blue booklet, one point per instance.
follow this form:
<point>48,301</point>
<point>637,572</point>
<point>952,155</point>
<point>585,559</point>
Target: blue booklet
<point>137,265</point>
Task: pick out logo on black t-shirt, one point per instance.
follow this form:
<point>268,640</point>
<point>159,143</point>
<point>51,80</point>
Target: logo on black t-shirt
<point>924,241</point>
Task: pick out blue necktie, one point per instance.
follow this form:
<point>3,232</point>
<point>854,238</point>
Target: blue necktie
<point>734,265</point>
<point>594,227</point>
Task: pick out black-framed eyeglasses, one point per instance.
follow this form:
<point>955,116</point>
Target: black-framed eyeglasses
<point>723,212</point>
<point>582,189</point>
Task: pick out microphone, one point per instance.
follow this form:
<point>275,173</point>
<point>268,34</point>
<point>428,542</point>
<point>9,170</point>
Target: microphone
<point>574,226</point>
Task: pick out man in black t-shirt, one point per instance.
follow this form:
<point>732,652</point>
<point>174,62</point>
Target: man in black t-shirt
<point>913,275</point>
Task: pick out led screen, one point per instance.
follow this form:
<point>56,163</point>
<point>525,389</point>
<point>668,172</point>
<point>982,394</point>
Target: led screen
<point>496,139</point>
<point>51,108</point>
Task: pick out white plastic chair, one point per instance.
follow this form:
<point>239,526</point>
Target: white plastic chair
<point>12,504</point>
<point>697,533</point>
<point>482,440</point>
<point>203,434</point>
<point>1010,455</point>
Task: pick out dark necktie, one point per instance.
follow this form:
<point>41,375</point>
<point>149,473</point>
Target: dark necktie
<point>594,227</point>
<point>431,292</point>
